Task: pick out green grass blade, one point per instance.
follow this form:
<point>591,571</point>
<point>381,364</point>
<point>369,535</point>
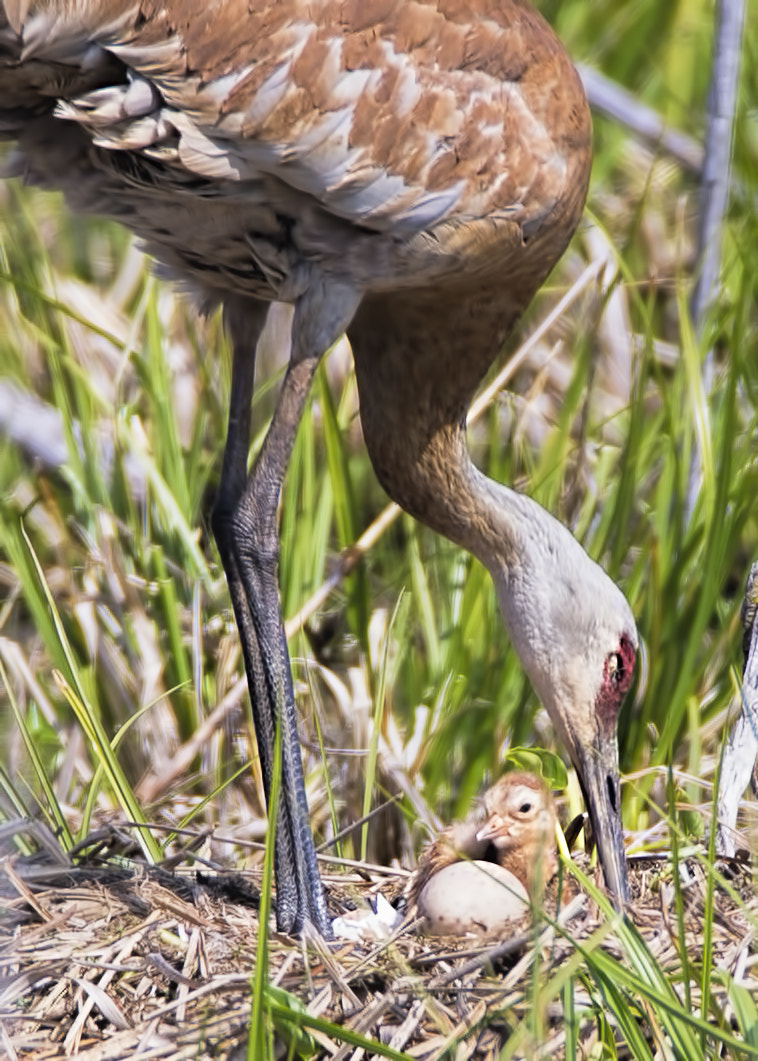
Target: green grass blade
<point>98,742</point>
<point>260,1009</point>
<point>52,807</point>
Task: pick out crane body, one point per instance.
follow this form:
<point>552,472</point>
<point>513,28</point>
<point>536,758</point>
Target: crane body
<point>407,173</point>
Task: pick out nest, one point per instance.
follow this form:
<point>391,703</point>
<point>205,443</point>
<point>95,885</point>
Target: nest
<point>105,962</point>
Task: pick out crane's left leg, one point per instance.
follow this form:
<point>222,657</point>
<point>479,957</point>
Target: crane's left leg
<point>245,527</point>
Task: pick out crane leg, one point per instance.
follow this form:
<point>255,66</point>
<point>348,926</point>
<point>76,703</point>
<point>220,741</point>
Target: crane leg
<point>245,528</point>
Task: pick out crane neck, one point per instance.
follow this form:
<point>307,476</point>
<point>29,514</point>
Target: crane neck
<point>490,520</point>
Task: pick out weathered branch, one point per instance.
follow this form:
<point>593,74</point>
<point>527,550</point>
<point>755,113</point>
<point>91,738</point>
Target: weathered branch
<point>742,745</point>
<point>608,98</point>
<point>719,134</point>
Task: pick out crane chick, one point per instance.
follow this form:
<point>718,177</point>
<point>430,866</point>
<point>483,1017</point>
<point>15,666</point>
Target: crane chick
<point>478,875</point>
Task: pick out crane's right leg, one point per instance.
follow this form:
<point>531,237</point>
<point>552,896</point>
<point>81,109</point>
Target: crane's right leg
<point>245,528</point>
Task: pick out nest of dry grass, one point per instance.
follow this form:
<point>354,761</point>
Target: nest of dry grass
<point>105,962</point>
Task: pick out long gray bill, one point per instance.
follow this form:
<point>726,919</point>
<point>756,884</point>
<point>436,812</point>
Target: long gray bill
<point>599,777</point>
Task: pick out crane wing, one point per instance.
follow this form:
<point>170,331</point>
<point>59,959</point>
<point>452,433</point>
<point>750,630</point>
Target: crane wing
<point>392,116</point>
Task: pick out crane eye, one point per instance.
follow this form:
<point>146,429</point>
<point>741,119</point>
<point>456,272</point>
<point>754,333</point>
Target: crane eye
<point>616,667</point>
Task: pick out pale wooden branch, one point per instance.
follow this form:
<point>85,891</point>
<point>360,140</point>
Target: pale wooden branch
<point>608,98</point>
<point>714,189</point>
<point>742,745</point>
<point>719,135</point>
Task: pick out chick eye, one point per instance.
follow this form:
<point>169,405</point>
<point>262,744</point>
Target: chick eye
<point>525,808</point>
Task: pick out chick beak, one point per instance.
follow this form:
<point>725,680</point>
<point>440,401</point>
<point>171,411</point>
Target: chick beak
<point>492,827</point>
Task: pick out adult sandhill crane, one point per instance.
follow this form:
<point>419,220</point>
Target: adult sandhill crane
<point>515,829</point>
<point>407,173</point>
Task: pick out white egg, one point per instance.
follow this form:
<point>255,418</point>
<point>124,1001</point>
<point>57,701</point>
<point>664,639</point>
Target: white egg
<point>472,897</point>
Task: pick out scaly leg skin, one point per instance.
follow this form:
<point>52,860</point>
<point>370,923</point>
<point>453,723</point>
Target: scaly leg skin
<point>245,528</point>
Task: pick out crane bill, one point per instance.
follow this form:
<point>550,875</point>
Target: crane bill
<point>597,766</point>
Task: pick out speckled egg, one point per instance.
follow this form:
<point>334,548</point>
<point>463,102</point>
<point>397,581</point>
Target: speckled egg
<point>471,897</point>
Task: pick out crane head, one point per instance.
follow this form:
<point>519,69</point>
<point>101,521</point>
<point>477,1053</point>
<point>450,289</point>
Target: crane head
<point>576,638</point>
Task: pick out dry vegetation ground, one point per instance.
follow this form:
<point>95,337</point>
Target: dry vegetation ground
<point>112,963</point>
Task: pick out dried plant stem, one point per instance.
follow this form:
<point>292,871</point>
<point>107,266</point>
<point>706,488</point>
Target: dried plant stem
<point>714,188</point>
